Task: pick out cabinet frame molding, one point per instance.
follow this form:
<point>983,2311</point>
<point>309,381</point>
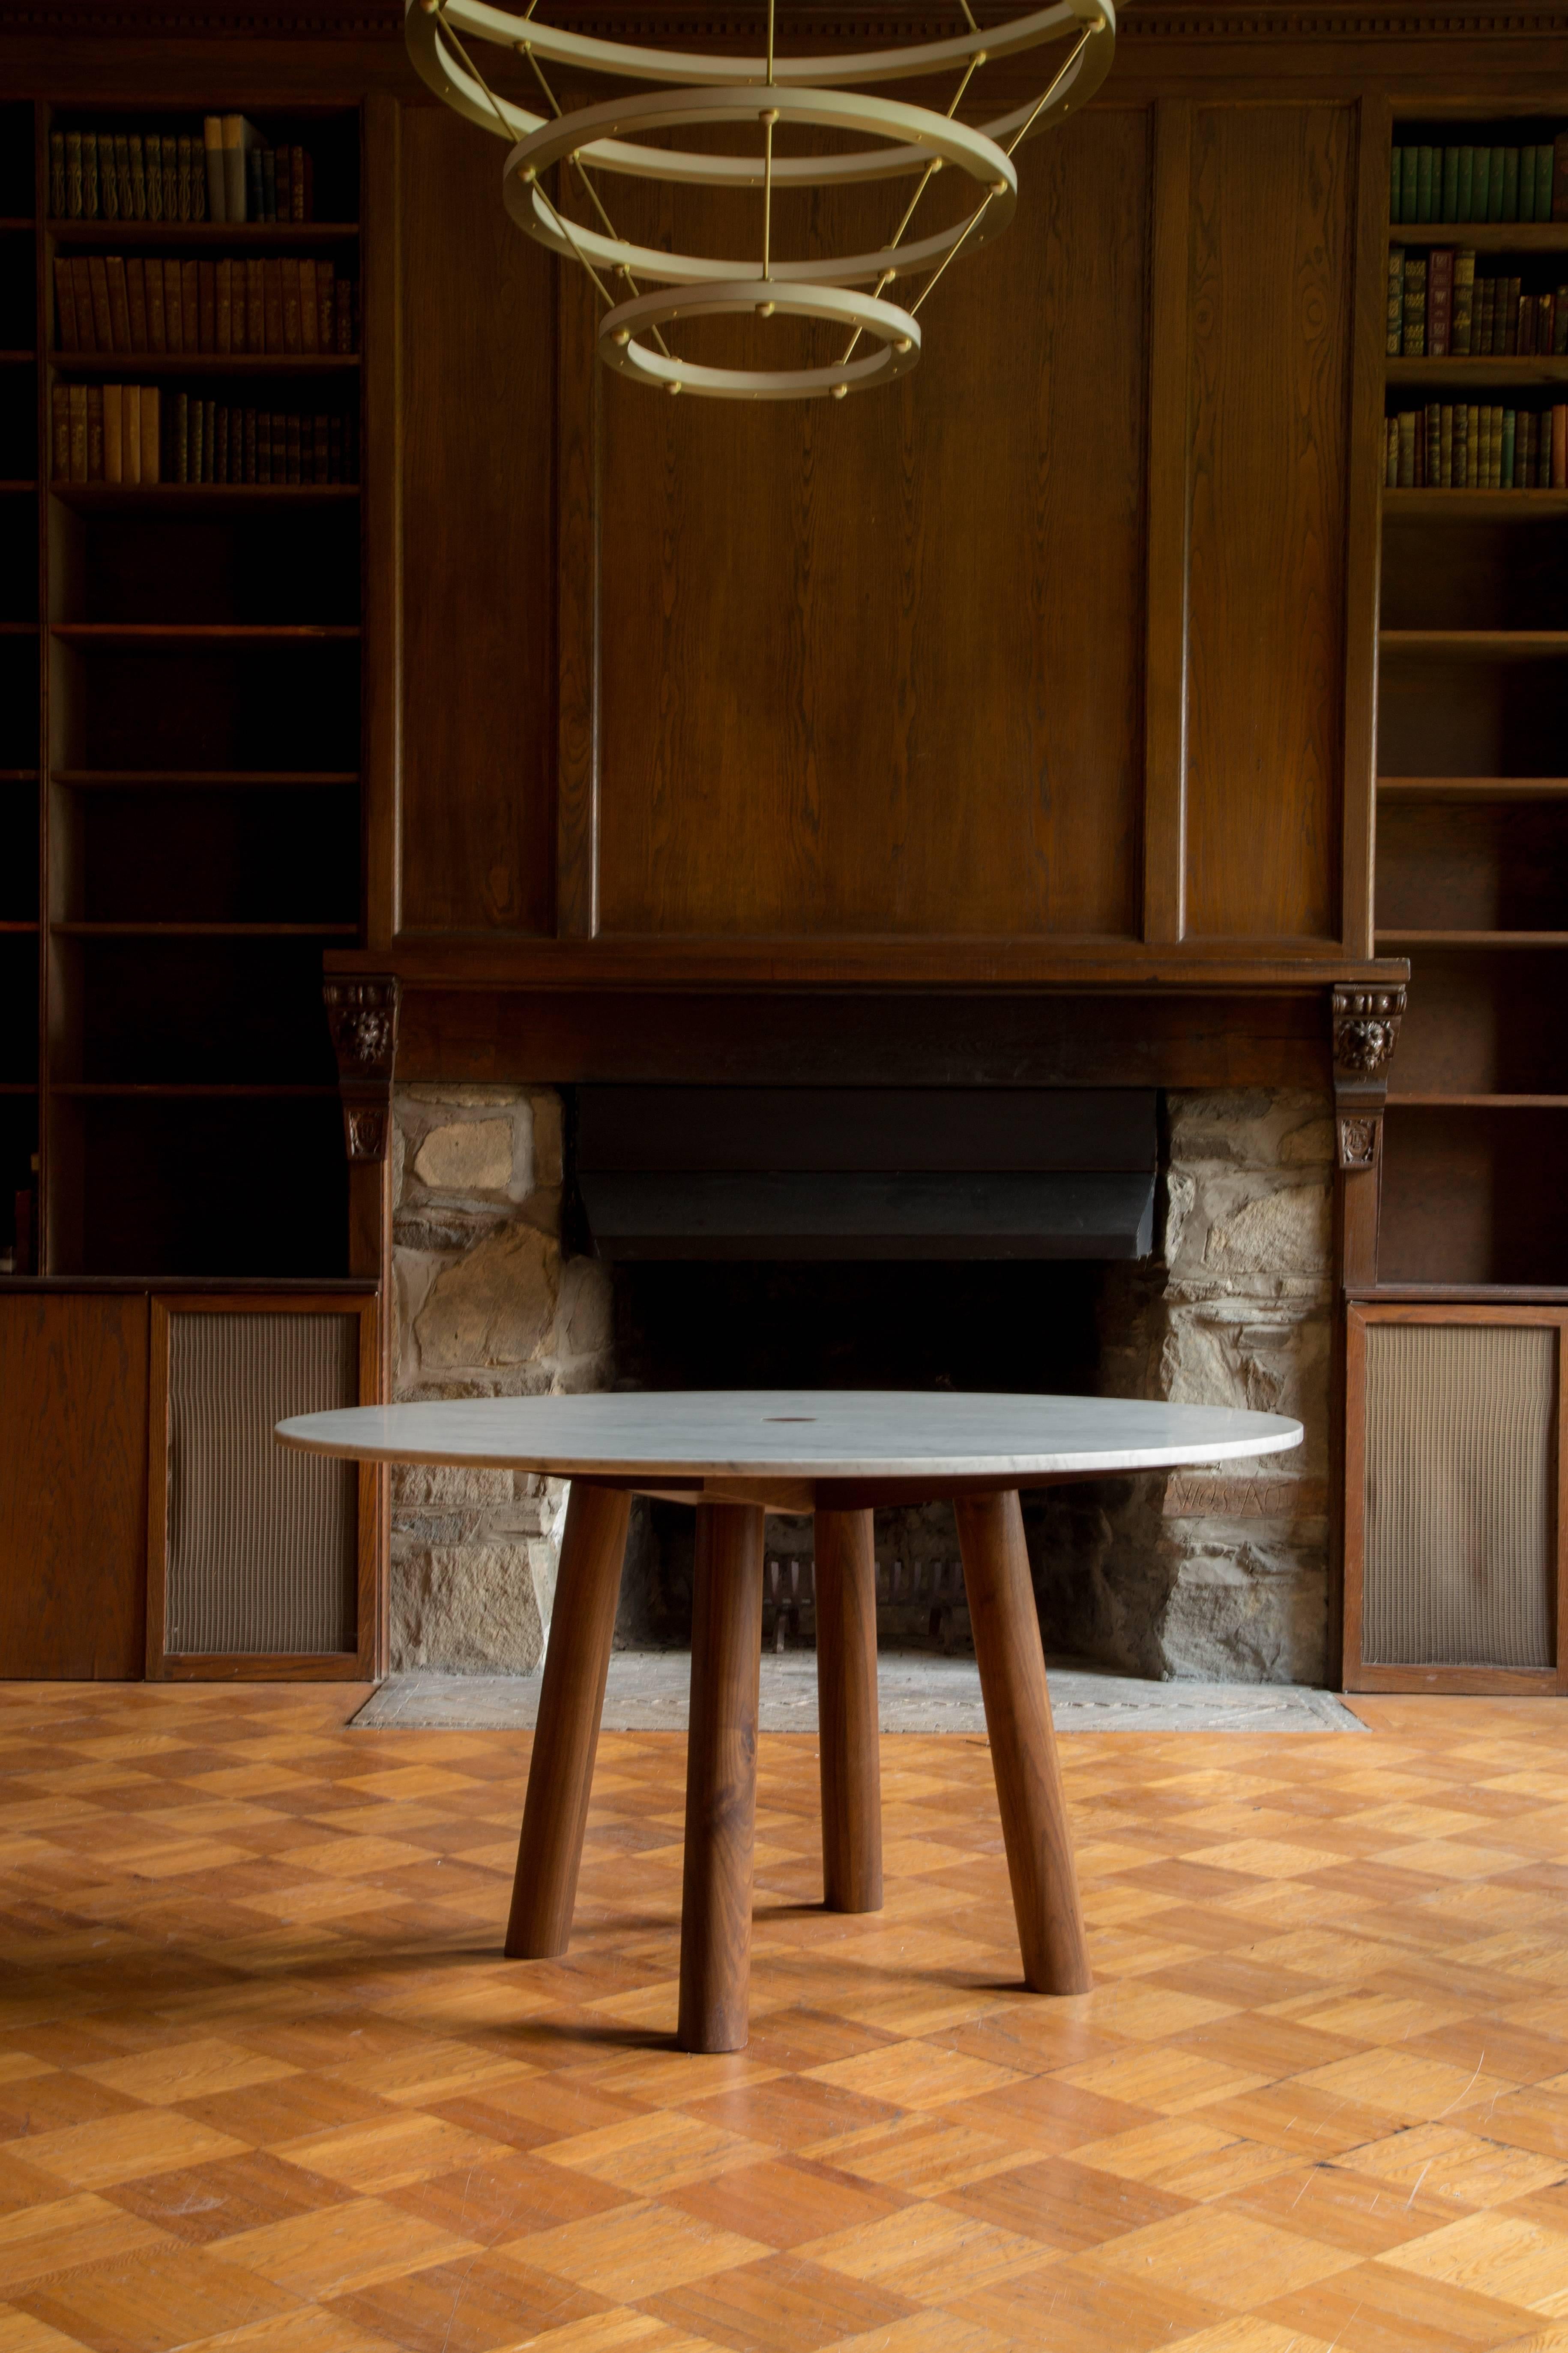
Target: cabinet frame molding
<point>367,1662</point>
<point>1358,1674</point>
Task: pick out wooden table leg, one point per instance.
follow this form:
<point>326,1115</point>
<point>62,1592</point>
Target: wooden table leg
<point>577,1663</point>
<point>721,1778</point>
<point>847,1714</point>
<point>1022,1744</point>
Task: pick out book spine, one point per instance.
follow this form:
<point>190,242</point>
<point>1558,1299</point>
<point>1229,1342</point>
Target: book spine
<point>136,300</point>
<point>107,178</point>
<point>186,150</point>
<point>89,175</point>
<point>1464,320</point>
<point>212,148</point>
<point>269,183</point>
<point>253,197</point>
<point>86,332</point>
<point>326,307</point>
<point>255,307</point>
<point>130,432</point>
<point>1560,323</point>
<point>207,305</point>
<point>296,184</point>
<point>1524,332</point>
<point>1467,188</point>
<point>237,137</point>
<point>152,433</point>
<point>223,307</point>
<point>1526,184</point>
<point>1461,447</point>
<point>153,166</point>
<point>172,211</point>
<point>1510,184</point>
<point>119,303</point>
<point>1509,437</point>
<point>1560,176</point>
<point>309,314</point>
<point>335,450</point>
<point>157,330</point>
<point>1416,306</point>
<point>65,306</point>
<point>1510,317</point>
<point>263,447</point>
<point>191,305</point>
<point>60,432</point>
<point>1439,301</point>
<point>1450,200</point>
<point>102,325</point>
<point>273,305</point>
<point>1445,448</point>
<point>1559,446</point>
<point>249,475</point>
<point>292,445</point>
<point>182,433</point>
<point>1431,448</point>
<point>1395,303</point>
<point>122,177</point>
<point>138,178</point>
<point>95,433</point>
<point>1546,323</point>
<point>174,308</point>
<point>73,175</point>
<point>56,174</point>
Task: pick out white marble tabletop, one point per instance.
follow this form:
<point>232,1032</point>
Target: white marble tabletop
<point>796,1434</point>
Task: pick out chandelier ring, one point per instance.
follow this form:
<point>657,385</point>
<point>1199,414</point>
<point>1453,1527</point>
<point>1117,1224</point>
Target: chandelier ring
<point>895,333</point>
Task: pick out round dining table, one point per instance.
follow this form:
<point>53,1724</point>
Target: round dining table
<point>734,1456</point>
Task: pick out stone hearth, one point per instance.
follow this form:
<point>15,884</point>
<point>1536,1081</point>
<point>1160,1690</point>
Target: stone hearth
<point>1207,1576</point>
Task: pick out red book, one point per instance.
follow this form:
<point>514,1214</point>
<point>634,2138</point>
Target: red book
<point>1440,302</point>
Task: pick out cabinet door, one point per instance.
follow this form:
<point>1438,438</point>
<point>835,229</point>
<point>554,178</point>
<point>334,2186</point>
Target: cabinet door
<point>73,1486</point>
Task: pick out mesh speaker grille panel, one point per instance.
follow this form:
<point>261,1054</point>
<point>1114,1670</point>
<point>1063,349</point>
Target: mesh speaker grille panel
<point>261,1546</point>
<point>1459,1496</point>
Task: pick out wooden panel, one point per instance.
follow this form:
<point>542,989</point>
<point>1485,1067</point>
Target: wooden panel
<point>879,666</point>
<point>73,1510</point>
<point>479,645</point>
<point>1273,200</point>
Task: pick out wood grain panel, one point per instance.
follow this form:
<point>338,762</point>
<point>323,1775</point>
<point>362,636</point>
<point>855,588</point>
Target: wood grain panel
<point>1273,195</point>
<point>877,667</point>
<point>479,647</point>
<point>73,1486</point>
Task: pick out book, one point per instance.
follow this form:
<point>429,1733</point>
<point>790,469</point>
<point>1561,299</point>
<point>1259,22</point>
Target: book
<point>59,432</point>
<point>1415,306</point>
<point>1480,183</point>
<point>1463,327</point>
<point>1423,183</point>
<point>86,333</point>
<point>268,185</point>
<point>1505,474</point>
<point>180,453</point>
<point>191,305</point>
<point>272,306</point>
<point>1486,315</point>
<point>255,334</point>
<point>1466,190</point>
<point>195,450</point>
<point>152,408</point>
<point>1526,184</point>
<point>299,185</point>
<point>253,205</point>
<point>310,312</point>
<point>1407,449</point>
<point>223,307</point>
<point>1560,323</point>
<point>1560,176</point>
<point>131,400</point>
<point>187,163</point>
<point>95,433</point>
<point>1462,444</point>
<point>153,168</point>
<point>174,308</point>
<point>1495,171</point>
<point>1524,332</point>
<point>1439,301</point>
<point>119,303</point>
<point>1445,448</point>
<point>292,445</point>
<point>1510,184</point>
<point>290,274</point>
<point>65,306</point>
<point>136,300</point>
<point>122,177</point>
<point>1396,302</point>
<point>171,210</point>
<point>138,178</point>
<point>1450,210</point>
<point>212,150</point>
<point>238,137</point>
<point>1543,164</point>
<point>207,305</point>
<point>73,174</point>
<point>326,309</point>
<point>1511,317</point>
<point>89,175</point>
<point>157,329</point>
<point>1559,446</point>
<point>107,179</point>
<point>98,282</point>
<point>57,174</point>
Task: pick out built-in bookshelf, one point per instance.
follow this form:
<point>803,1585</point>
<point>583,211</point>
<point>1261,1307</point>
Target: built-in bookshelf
<point>1472,805</point>
<point>180,610</point>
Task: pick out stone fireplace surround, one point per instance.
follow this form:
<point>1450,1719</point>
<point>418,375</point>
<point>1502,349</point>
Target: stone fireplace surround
<point>1212,1576</point>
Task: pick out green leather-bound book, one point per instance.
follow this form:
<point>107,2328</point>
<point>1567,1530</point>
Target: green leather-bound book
<point>1526,184</point>
<point>1467,195</point>
<point>1450,211</point>
<point>1505,471</point>
<point>1396,187</point>
<point>1480,183</point>
<point>1494,183</point>
<point>1510,184</point>
<point>1423,191</point>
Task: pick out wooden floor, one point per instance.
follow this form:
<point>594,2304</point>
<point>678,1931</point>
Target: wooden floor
<point>266,2082</point>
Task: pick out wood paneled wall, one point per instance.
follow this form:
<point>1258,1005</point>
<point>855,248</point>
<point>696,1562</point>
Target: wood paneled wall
<point>1048,644</point>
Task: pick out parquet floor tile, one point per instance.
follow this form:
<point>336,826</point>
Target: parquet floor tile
<point>268,2084</point>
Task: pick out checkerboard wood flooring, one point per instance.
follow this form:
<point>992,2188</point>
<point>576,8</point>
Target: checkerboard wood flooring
<point>266,2082</point>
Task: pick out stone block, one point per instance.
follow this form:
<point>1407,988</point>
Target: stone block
<point>472,1609</point>
<point>495,1307</point>
<point>467,1156</point>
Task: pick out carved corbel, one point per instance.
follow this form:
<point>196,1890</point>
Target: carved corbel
<point>362,1017</point>
<point>1365,1033</point>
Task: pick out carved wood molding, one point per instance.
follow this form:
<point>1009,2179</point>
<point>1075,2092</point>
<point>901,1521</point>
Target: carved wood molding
<point>362,1017</point>
<point>358,20</point>
<point>1365,1031</point>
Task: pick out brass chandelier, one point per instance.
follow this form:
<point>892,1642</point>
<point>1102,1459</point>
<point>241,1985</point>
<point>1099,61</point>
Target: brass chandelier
<point>646,289</point>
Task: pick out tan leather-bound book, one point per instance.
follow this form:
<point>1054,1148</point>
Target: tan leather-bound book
<point>95,433</point>
<point>86,332</point>
<point>119,305</point>
<point>290,273</point>
<point>223,307</point>
<point>111,434</point>
<point>310,317</point>
<point>152,442</point>
<point>272,304</point>
<point>156,326</point>
<point>65,306</point>
<point>136,300</point>
<point>326,314</point>
<point>130,398</point>
<point>175,309</point>
<point>207,305</point>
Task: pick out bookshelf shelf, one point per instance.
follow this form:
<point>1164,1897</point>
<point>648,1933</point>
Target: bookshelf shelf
<point>18,487</point>
<point>19,1088</point>
<point>1478,645</point>
<point>136,364</point>
<point>243,235</point>
<point>199,497</point>
<point>1475,506</point>
<point>173,634</point>
<point>1463,372</point>
<point>18,776</point>
<point>10,927</point>
<point>17,224</point>
<point>17,358</point>
<point>18,628</point>
<point>1483,237</point>
<point>1472,788</point>
<point>131,780</point>
<point>81,931</point>
<point>1480,1102</point>
<point>215,1091</point>
<point>1407,938</point>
